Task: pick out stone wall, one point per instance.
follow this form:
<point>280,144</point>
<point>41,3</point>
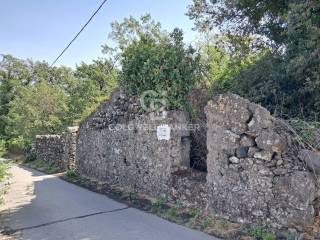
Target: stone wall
<point>257,172</point>
<point>69,150</point>
<point>50,149</point>
<point>58,150</point>
<point>118,144</point>
<point>254,174</point>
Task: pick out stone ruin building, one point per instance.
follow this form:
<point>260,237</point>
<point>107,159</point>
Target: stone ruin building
<point>256,170</point>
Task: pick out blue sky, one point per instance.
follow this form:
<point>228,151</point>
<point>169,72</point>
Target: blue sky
<point>40,29</point>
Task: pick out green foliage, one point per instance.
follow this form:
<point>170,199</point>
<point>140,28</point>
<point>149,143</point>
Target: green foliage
<point>3,170</point>
<point>261,233</point>
<point>3,148</point>
<point>174,215</point>
<point>302,58</point>
<point>38,99</point>
<point>163,66</point>
<point>277,52</point>
<point>243,18</point>
<point>152,59</point>
<point>263,82</point>
<point>39,109</point>
<point>225,66</point>
<point>95,83</point>
<point>71,174</point>
<point>131,30</point>
<point>159,204</point>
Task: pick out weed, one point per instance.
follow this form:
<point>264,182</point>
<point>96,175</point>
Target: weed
<point>173,215</point>
<point>261,233</point>
<point>206,223</point>
<point>225,224</point>
<point>195,216</point>
<point>159,204</point>
<point>71,174</point>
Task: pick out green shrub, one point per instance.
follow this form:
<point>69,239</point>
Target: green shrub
<point>164,66</point>
<point>71,174</point>
<point>3,148</point>
<point>3,170</point>
<point>261,233</point>
<point>18,145</point>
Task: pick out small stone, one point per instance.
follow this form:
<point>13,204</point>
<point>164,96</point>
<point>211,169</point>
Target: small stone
<point>264,155</point>
<point>241,152</point>
<point>247,141</point>
<point>234,160</point>
<point>280,171</point>
<point>252,151</point>
<point>270,141</point>
<point>279,162</point>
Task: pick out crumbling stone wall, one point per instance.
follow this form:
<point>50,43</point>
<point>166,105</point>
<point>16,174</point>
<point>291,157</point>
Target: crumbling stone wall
<point>257,172</point>
<point>254,174</point>
<point>119,144</point>
<point>50,149</point>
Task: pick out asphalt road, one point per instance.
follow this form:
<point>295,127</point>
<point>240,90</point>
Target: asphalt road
<point>44,207</point>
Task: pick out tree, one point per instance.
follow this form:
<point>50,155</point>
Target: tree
<point>13,74</point>
<point>16,74</point>
<point>101,72</point>
<point>285,79</point>
<point>131,29</point>
<point>160,65</point>
<point>38,109</point>
<point>303,58</point>
<point>267,19</point>
<point>152,59</point>
<point>95,82</point>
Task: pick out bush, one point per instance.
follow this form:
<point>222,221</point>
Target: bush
<point>3,149</point>
<point>162,66</point>
<point>18,145</point>
<point>71,174</point>
<point>261,233</point>
<point>3,170</point>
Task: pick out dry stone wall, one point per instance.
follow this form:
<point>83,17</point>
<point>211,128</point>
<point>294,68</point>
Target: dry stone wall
<point>119,144</point>
<point>58,150</point>
<point>69,151</point>
<point>254,174</point>
<point>50,149</point>
<point>257,172</point>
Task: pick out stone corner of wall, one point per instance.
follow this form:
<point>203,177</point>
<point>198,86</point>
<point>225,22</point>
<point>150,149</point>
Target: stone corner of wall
<point>253,159</point>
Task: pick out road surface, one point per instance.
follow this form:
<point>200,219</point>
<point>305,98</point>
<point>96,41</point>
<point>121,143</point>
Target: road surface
<point>44,207</point>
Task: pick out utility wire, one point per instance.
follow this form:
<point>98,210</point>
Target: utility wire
<point>84,26</point>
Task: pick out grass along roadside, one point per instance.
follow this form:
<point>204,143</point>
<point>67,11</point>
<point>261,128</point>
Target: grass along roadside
<point>4,175</point>
<point>42,166</point>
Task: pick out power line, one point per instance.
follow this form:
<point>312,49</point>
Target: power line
<point>84,26</point>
